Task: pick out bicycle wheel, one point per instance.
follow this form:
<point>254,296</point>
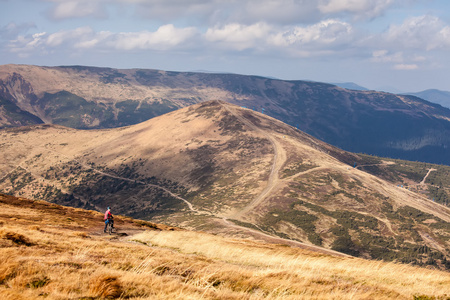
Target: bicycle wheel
<point>110,228</point>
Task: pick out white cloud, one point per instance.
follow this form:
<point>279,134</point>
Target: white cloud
<point>36,39</point>
<point>398,60</point>
<point>93,40</point>
<point>276,12</point>
<point>423,32</point>
<point>360,8</point>
<point>78,9</point>
<point>170,10</point>
<point>281,12</point>
<point>221,12</point>
<point>25,45</point>
<point>238,36</point>
<point>166,37</point>
<point>70,36</point>
<point>416,43</point>
<point>379,53</point>
<point>85,38</point>
<point>283,32</point>
<point>326,32</point>
<point>324,38</point>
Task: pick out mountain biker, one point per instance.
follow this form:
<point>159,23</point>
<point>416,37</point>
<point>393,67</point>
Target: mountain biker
<point>108,218</point>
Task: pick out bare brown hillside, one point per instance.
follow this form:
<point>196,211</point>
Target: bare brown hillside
<point>82,97</point>
<point>55,252</point>
<point>225,169</point>
<point>102,84</point>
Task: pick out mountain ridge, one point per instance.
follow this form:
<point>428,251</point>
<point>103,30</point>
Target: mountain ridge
<point>378,123</point>
<point>435,96</point>
<point>198,166</point>
<point>351,86</point>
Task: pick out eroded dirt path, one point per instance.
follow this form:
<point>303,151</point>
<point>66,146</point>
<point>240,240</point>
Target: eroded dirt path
<point>425,178</point>
<point>278,161</point>
<point>89,167</point>
<point>259,234</point>
<point>274,180</point>
<point>279,240</point>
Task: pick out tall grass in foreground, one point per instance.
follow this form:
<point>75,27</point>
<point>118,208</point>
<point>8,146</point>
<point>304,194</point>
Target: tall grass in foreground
<point>309,274</point>
<point>47,255</point>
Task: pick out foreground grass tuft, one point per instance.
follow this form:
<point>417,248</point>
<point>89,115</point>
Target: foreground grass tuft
<point>105,286</point>
<point>16,238</point>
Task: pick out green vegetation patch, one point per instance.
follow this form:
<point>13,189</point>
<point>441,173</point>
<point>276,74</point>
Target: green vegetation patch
<point>245,224</point>
<point>360,235</point>
<point>19,179</point>
<point>437,183</point>
<point>344,244</point>
<point>208,109</point>
<point>67,109</point>
<point>15,116</point>
<point>113,76</point>
<point>299,218</point>
<point>342,192</point>
<point>229,124</point>
<point>133,112</point>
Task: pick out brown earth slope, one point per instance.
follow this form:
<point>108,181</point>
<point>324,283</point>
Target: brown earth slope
<point>225,169</point>
<point>54,252</point>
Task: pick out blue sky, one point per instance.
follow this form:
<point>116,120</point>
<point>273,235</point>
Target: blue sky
<point>401,45</point>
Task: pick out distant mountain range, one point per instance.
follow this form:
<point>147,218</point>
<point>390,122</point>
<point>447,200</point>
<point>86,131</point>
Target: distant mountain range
<point>435,96</point>
<point>351,86</point>
<point>384,124</point>
<point>432,95</point>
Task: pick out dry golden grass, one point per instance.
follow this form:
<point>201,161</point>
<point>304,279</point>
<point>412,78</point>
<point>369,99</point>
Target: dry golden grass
<point>41,159</point>
<point>47,258</point>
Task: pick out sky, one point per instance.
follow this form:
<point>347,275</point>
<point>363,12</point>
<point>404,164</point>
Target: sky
<point>390,45</point>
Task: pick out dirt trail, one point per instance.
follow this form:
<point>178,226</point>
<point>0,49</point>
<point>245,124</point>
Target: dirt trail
<point>278,161</point>
<point>430,241</point>
<point>425,178</point>
<point>276,239</point>
<point>24,166</point>
<point>86,166</point>
<point>260,234</point>
<point>273,182</point>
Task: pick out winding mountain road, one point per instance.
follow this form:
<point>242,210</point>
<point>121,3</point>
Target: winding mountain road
<point>278,161</point>
<point>89,167</point>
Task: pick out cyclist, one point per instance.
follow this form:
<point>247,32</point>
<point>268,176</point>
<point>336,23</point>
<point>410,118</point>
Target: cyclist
<point>108,218</point>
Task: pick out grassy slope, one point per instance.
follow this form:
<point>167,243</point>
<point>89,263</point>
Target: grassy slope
<point>60,253</point>
<point>358,121</point>
<point>411,175</point>
<point>222,156</point>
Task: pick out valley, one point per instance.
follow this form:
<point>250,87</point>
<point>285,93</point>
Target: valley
<point>224,150</point>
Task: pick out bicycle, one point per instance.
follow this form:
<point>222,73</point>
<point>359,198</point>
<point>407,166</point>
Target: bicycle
<point>109,226</point>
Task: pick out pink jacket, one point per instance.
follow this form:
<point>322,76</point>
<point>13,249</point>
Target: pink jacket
<point>108,215</point>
